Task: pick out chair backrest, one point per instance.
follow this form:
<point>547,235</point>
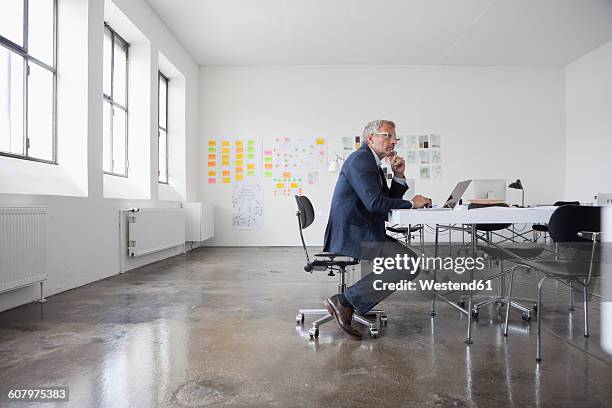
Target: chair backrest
<point>560,203</point>
<point>306,214</point>
<point>567,220</point>
<point>489,227</point>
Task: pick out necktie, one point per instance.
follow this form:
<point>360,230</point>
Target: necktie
<point>383,180</point>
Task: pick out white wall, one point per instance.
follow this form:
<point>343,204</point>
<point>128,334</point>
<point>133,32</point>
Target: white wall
<point>495,122</point>
<point>83,232</point>
<point>588,84</point>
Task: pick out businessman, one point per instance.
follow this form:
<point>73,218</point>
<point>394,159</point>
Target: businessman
<point>356,226</point>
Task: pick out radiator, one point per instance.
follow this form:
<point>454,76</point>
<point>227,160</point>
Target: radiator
<point>23,247</point>
<point>154,229</point>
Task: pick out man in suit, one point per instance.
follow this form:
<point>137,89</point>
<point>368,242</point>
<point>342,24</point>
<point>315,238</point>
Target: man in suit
<point>360,204</point>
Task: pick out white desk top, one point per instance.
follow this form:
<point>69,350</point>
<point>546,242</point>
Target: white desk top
<point>487,215</point>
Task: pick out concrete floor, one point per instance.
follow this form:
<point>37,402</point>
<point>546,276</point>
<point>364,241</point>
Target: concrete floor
<point>216,328</point>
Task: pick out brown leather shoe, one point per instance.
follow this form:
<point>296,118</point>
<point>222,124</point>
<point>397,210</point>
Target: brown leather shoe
<point>342,314</point>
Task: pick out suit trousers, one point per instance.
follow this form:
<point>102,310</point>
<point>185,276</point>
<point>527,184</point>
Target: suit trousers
<point>363,295</point>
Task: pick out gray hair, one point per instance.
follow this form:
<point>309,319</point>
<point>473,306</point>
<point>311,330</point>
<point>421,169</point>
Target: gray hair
<point>373,127</point>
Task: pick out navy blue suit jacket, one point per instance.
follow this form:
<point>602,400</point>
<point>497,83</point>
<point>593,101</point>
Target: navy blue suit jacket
<point>360,205</point>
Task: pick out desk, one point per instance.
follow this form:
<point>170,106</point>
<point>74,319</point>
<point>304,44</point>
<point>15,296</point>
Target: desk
<point>487,215</point>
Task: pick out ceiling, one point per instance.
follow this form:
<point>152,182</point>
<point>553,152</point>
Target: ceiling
<point>387,32</point>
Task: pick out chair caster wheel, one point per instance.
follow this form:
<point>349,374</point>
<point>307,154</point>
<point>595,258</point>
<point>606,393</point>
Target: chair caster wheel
<point>475,313</point>
<point>314,333</point>
<point>373,332</point>
<point>526,317</point>
<point>299,318</point>
<point>461,304</point>
<point>384,320</point>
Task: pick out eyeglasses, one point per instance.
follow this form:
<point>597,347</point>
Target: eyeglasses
<point>388,136</point>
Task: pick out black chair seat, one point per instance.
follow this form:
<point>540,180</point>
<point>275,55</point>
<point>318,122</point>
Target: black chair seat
<point>327,254</point>
<point>540,227</point>
<point>404,230</point>
<point>329,262</point>
<point>520,251</point>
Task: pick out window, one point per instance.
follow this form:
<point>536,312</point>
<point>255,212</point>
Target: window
<point>162,131</point>
<point>28,79</point>
<point>115,90</point>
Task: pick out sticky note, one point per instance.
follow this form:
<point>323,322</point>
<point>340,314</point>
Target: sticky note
<point>320,141</point>
<point>251,173</point>
<point>239,156</point>
<point>268,159</point>
<point>240,150</point>
<point>239,162</point>
<point>294,185</point>
<point>212,157</point>
<point>280,185</point>
<point>225,143</point>
<point>212,142</point>
<point>227,180</point>
<point>225,150</point>
<point>239,177</point>
<point>225,163</point>
<point>212,150</point>
<point>239,142</point>
<point>251,149</point>
<point>226,173</point>
<point>212,164</point>
<point>250,156</point>
<point>212,181</point>
<point>239,170</point>
<point>268,174</point>
<point>251,166</point>
<point>212,173</point>
<point>251,142</point>
<point>286,174</point>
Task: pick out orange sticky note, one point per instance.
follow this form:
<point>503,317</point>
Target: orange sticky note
<point>239,156</point>
<point>240,150</point>
<point>212,157</point>
<point>212,142</point>
<point>286,175</point>
<point>212,164</point>
<point>226,173</point>
<point>239,170</point>
<point>268,165</point>
<point>212,173</point>
<point>239,142</point>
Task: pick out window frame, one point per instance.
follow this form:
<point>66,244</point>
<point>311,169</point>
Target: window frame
<point>22,51</point>
<point>161,76</point>
<point>116,105</point>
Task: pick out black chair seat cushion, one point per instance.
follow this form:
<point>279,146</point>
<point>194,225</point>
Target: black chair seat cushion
<point>404,230</point>
<point>327,254</point>
<point>540,227</point>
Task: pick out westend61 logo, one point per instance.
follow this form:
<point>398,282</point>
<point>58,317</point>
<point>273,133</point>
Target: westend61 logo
<point>411,264</point>
<point>407,263</point>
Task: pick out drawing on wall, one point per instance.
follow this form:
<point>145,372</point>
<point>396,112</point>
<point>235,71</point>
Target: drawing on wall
<point>247,205</point>
<point>411,157</point>
<point>287,184</point>
<point>424,172</point>
<point>436,157</point>
<point>347,144</point>
<point>424,156</point>
<point>411,142</point>
<point>299,153</point>
<point>434,141</point>
<point>424,142</point>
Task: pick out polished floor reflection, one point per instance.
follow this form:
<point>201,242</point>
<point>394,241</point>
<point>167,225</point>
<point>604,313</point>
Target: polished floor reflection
<point>216,327</point>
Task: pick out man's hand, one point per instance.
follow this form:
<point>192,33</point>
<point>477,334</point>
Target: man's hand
<point>398,165</point>
<point>421,202</point>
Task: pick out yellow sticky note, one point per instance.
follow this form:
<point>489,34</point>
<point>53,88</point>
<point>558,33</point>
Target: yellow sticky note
<point>212,173</point>
<point>225,163</point>
<point>251,166</point>
<point>239,156</point>
<point>212,142</point>
<point>239,170</point>
<point>294,185</point>
<point>225,143</point>
<point>227,180</point>
<point>239,177</point>
<point>239,162</point>
<point>280,185</point>
<point>239,142</point>
<point>225,150</point>
<point>320,141</point>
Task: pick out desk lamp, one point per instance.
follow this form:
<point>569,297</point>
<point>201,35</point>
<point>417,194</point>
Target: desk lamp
<point>517,185</point>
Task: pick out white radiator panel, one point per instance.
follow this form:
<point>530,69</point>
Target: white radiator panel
<point>23,246</point>
<point>154,229</point>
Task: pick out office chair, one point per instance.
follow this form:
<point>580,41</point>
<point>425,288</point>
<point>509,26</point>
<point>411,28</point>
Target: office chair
<point>406,233</point>
<point>327,261</point>
<point>493,253</point>
<point>543,228</point>
<point>576,229</point>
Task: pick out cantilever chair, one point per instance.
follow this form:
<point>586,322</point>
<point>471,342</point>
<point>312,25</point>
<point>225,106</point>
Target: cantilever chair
<point>334,264</point>
<point>577,230</point>
<point>406,233</point>
<point>543,228</point>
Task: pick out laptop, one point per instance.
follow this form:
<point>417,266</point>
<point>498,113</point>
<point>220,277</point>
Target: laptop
<point>453,199</point>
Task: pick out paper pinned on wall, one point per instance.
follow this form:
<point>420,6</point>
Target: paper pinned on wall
<point>247,205</point>
<point>411,157</point>
<point>424,142</point>
<point>299,153</point>
<point>424,157</point>
<point>436,172</point>
<point>424,172</point>
<point>347,144</point>
<point>313,178</point>
<point>434,141</point>
<point>411,142</point>
<point>287,184</point>
<point>436,157</point>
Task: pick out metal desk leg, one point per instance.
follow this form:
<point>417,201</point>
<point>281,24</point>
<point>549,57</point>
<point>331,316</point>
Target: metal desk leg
<point>433,300</point>
<point>468,340</point>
